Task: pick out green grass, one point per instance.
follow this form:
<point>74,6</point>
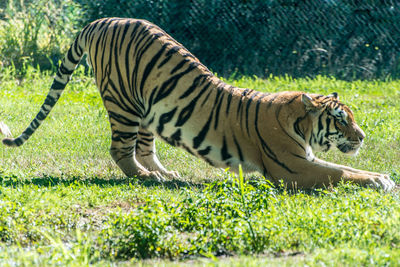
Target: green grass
<point>64,202</point>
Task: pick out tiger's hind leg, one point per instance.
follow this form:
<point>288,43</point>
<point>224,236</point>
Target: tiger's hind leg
<point>146,154</point>
<point>123,145</point>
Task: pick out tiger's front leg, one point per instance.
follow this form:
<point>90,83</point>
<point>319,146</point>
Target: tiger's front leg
<point>123,146</point>
<point>302,173</point>
<point>349,169</point>
<point>373,179</point>
<point>146,154</point>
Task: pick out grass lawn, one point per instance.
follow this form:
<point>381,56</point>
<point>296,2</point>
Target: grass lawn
<point>64,202</point>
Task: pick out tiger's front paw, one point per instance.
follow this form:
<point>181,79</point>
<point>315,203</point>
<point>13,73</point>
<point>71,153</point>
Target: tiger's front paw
<point>152,175</point>
<point>172,174</point>
<point>380,181</point>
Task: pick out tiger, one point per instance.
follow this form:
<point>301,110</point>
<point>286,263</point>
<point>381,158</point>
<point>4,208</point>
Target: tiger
<point>153,87</point>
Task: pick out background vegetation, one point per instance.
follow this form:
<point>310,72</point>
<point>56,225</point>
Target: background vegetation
<point>345,39</point>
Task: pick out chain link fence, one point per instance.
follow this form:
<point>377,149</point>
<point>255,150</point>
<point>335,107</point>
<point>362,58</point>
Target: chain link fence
<point>348,39</point>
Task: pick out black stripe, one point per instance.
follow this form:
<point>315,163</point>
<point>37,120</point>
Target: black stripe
<point>249,101</point>
<point>239,150</point>
<point>146,134</point>
<point>320,128</point>
<point>205,100</point>
<point>195,84</point>
<point>185,114</point>
<point>71,57</point>
<point>179,66</point>
<point>176,136</point>
<point>142,42</point>
<point>57,85</point>
<point>293,99</point>
<point>150,101</point>
<point>267,150</point>
<point>35,124</point>
<point>18,141</point>
<point>188,149</point>
<point>217,107</point>
<point>239,108</point>
<point>122,119</point>
<point>205,151</point>
<point>112,99</point>
<point>151,64</point>
<point>202,134</point>
<point>41,115</point>
<point>128,56</point>
<point>125,31</point>
<point>120,136</point>
<point>296,127</point>
<point>277,113</point>
<point>328,133</point>
<point>64,70</point>
<point>228,104</point>
<point>120,37</point>
<point>29,131</point>
<point>51,101</point>
<point>151,38</point>
<point>187,111</point>
<point>168,55</point>
<point>151,120</point>
<point>120,100</point>
<point>165,118</point>
<point>78,48</point>
<point>99,48</point>
<point>148,140</point>
<point>224,150</point>
<point>125,134</point>
<point>149,153</point>
<point>87,31</point>
<point>168,86</point>
<point>141,142</point>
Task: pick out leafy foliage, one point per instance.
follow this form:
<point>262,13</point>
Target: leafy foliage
<point>36,32</point>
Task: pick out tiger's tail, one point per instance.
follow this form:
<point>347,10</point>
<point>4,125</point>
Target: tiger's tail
<point>61,79</point>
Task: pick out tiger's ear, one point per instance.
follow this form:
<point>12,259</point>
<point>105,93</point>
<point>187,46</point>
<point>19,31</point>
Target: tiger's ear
<point>334,96</point>
<point>310,103</point>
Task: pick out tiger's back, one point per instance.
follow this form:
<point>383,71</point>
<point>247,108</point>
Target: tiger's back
<point>162,93</point>
<point>152,86</point>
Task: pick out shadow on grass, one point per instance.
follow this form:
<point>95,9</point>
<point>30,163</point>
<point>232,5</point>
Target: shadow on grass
<point>50,181</point>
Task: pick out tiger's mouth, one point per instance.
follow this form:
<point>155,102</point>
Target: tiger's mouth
<point>350,148</point>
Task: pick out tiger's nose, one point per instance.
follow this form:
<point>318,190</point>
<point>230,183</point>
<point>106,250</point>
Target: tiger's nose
<point>359,132</point>
<point>361,135</point>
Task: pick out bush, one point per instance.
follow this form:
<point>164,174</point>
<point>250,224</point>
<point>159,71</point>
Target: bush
<point>37,32</point>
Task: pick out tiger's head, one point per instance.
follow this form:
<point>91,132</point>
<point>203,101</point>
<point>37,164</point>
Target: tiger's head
<point>333,124</point>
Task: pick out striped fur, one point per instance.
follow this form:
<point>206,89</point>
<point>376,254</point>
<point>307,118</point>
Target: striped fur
<point>152,86</point>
